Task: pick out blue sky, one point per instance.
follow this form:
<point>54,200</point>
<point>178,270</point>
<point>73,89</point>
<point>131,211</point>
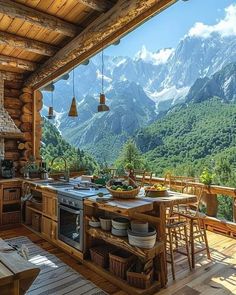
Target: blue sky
<point>166,29</point>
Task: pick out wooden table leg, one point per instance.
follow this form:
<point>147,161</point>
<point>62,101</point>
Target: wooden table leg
<point>192,244</point>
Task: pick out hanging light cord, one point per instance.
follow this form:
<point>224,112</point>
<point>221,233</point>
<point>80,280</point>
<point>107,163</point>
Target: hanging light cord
<point>52,98</point>
<point>102,72</point>
<point>73,82</point>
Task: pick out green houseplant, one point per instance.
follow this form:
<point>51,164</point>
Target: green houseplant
<point>207,177</point>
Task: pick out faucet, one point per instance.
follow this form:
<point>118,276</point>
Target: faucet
<point>66,171</point>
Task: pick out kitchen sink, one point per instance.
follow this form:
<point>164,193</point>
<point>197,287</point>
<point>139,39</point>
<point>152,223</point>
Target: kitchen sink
<point>60,184</point>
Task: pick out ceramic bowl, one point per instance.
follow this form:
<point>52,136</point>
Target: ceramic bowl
<point>120,223</point>
<point>94,223</point>
<point>119,232</point>
<point>105,223</point>
<point>139,226</point>
<point>143,240</point>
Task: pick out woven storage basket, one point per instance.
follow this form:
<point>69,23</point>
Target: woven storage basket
<point>100,255</point>
<point>155,193</point>
<point>119,262</point>
<point>139,280</point>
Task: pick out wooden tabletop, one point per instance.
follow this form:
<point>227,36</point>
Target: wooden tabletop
<point>174,198</point>
<point>141,203</point>
<point>14,268</point>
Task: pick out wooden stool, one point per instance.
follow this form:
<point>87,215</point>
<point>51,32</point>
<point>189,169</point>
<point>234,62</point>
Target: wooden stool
<point>177,235</point>
<point>196,224</point>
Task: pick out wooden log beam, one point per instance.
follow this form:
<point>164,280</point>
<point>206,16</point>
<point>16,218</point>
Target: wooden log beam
<point>16,10</point>
<point>99,5</point>
<point>17,63</point>
<point>110,26</point>
<point>27,44</point>
<point>10,76</point>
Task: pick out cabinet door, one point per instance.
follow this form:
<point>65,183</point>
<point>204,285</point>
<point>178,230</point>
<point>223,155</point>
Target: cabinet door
<point>46,227</point>
<point>54,208</point>
<point>50,205</point>
<point>54,231</point>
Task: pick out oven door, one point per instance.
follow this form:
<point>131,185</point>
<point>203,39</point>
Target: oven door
<point>70,229</point>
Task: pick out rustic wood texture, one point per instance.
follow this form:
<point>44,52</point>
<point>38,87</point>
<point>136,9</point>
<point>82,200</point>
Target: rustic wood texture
<point>23,273</point>
<point>123,243</point>
<point>99,5</point>
<point>120,19</point>
<point>41,19</point>
<point>27,44</point>
<point>17,63</point>
<point>214,224</point>
<point>217,276</point>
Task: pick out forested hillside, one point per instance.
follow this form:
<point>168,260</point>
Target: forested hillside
<point>189,137</point>
<point>53,144</point>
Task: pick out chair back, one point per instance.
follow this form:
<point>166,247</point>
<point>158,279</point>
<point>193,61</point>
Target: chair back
<point>193,189</point>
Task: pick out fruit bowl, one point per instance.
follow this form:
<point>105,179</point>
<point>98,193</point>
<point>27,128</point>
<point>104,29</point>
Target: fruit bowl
<point>123,191</point>
<point>157,190</point>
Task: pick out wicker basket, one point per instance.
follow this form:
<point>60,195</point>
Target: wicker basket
<point>100,255</point>
<point>11,217</point>
<point>132,194</point>
<point>152,193</point>
<point>139,280</point>
<point>119,262</point>
<point>36,221</point>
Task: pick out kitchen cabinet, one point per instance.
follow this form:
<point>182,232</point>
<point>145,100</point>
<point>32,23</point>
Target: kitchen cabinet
<point>46,227</point>
<point>50,205</point>
<point>10,202</point>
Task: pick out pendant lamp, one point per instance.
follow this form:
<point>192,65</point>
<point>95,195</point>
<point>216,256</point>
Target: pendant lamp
<point>73,108</point>
<point>51,115</point>
<point>102,107</point>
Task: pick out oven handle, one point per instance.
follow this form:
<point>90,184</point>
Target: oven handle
<point>70,209</point>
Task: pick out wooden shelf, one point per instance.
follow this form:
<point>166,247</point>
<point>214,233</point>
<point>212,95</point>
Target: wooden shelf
<point>121,283</point>
<point>122,242</point>
<point>34,209</point>
<point>41,212</point>
<point>11,202</point>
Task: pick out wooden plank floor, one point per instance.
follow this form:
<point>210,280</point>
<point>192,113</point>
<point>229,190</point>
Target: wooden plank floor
<point>216,277</point>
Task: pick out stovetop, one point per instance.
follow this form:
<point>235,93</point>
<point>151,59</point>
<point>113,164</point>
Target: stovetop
<point>81,193</point>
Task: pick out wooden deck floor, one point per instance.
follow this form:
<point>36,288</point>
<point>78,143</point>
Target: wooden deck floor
<point>216,277</point>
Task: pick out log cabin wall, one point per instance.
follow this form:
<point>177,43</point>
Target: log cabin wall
<point>23,105</point>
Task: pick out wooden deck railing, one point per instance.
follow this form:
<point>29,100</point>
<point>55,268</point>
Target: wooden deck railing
<point>210,199</point>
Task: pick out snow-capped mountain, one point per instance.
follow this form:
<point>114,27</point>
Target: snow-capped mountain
<point>140,88</point>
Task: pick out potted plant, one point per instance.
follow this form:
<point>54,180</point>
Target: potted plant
<point>210,200</point>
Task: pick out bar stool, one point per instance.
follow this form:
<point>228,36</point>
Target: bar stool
<point>196,223</point>
<point>176,237</point>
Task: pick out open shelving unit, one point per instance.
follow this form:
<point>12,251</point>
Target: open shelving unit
<point>10,204</point>
<point>97,236</point>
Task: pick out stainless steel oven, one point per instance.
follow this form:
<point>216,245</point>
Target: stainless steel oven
<point>70,221</point>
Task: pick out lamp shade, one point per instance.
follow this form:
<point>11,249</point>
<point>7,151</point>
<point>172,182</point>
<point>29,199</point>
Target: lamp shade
<point>73,109</point>
<point>102,107</point>
<point>50,113</point>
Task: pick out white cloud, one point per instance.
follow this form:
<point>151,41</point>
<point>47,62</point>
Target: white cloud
<point>225,27</point>
<point>156,58</point>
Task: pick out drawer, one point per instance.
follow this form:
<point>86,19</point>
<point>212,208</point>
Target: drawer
<point>11,194</point>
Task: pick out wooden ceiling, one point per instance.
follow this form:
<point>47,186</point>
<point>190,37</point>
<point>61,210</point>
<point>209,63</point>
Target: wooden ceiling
<point>44,38</point>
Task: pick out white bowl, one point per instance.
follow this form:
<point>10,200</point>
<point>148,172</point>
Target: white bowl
<point>94,223</point>
<point>143,240</point>
<point>105,223</point>
<point>139,226</point>
<point>120,223</point>
<point>119,232</point>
